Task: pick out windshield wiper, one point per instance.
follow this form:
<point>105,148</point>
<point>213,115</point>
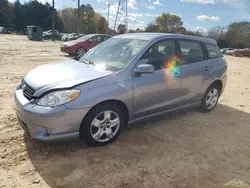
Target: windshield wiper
<point>88,62</point>
<point>91,62</point>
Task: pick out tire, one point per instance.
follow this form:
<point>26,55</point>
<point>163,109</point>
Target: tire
<point>210,94</point>
<point>80,52</point>
<point>97,118</point>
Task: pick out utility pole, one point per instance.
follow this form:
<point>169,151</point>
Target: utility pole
<point>108,16</point>
<point>126,16</point>
<point>78,16</point>
<point>118,9</point>
<point>122,5</point>
<point>53,19</point>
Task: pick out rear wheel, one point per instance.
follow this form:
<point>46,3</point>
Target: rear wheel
<point>210,98</point>
<point>80,52</point>
<point>102,125</point>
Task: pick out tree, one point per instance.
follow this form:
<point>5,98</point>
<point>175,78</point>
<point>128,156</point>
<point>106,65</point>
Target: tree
<point>6,13</point>
<point>151,27</point>
<point>138,30</point>
<point>193,33</point>
<point>18,17</point>
<point>217,33</point>
<point>69,19</point>
<point>239,34</point>
<point>169,23</point>
<point>89,14</point>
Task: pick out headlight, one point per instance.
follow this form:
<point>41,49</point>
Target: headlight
<point>58,97</point>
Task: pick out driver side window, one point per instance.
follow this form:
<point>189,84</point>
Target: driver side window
<point>159,53</point>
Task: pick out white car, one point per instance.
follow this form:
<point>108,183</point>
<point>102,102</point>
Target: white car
<point>230,51</point>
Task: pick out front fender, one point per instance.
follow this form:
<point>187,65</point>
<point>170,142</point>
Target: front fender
<point>90,96</point>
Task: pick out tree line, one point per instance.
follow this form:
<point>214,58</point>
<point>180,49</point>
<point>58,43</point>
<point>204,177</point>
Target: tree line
<point>236,35</point>
<point>18,15</point>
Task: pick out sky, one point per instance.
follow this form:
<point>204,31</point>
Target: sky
<point>196,14</point>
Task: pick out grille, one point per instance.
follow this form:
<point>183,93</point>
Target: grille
<point>28,91</point>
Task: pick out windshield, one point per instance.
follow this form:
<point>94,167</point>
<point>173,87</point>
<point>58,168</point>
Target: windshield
<point>85,37</point>
<point>115,53</point>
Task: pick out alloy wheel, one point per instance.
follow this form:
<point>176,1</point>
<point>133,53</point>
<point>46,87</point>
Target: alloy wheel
<point>105,126</point>
<point>212,98</point>
<point>80,52</point>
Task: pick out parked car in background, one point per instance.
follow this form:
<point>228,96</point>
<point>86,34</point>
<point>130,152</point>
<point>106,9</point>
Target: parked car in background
<point>242,52</point>
<point>4,30</point>
<point>74,37</point>
<point>127,78</point>
<point>71,36</point>
<point>223,50</point>
<point>82,45</point>
<point>65,36</point>
<point>50,32</point>
<point>1,29</point>
<point>49,35</point>
<point>229,51</point>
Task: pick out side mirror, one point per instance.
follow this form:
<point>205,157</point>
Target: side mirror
<point>144,69</point>
<point>90,40</point>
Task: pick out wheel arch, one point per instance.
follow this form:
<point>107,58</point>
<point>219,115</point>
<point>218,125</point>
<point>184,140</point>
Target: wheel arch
<point>116,102</point>
<point>218,83</point>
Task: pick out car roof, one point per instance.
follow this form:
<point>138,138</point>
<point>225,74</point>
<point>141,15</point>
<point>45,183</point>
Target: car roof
<point>152,36</point>
<point>92,35</point>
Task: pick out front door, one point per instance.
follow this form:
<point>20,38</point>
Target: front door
<point>159,90</point>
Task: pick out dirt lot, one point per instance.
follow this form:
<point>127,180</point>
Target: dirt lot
<point>188,149</point>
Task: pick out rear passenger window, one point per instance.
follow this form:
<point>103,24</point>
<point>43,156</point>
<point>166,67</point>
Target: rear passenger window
<point>213,51</point>
<point>191,51</point>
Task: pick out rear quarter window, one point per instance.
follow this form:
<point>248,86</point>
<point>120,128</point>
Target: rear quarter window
<point>213,51</point>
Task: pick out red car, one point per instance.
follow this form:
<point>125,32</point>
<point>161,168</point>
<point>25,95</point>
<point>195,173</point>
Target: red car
<point>242,53</point>
<point>82,45</point>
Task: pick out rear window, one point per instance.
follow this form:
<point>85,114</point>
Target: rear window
<point>213,51</point>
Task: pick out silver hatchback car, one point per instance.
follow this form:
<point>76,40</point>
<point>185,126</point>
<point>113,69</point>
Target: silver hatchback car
<point>124,79</point>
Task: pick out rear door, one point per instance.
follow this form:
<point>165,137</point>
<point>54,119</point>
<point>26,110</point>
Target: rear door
<point>195,70</point>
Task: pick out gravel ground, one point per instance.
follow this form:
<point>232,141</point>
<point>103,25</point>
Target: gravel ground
<point>186,149</point>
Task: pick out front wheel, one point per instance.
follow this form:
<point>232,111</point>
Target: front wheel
<point>102,125</point>
<point>210,98</point>
<point>80,52</point>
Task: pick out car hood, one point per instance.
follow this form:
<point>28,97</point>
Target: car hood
<point>64,74</point>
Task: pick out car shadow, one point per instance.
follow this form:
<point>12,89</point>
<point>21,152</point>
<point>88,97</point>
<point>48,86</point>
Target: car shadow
<point>148,151</point>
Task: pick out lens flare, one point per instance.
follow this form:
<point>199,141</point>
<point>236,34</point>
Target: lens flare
<point>172,69</point>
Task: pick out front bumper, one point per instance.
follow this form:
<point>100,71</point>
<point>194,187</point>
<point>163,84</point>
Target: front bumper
<point>46,123</point>
<point>67,50</point>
